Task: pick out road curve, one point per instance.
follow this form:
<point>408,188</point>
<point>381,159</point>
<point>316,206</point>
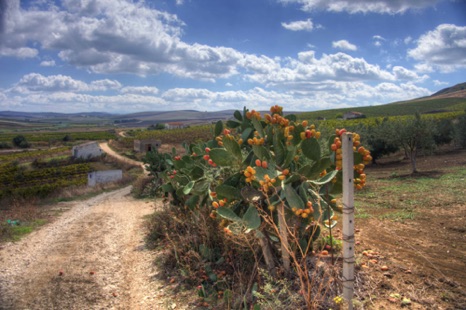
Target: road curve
<point>104,146</point>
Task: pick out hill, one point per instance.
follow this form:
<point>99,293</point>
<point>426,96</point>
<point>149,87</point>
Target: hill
<point>454,91</point>
<point>451,99</point>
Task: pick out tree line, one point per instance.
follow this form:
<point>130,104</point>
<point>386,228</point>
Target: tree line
<point>414,136</point>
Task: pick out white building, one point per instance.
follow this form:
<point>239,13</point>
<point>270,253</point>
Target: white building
<point>106,176</point>
<point>86,150</point>
<point>353,115</point>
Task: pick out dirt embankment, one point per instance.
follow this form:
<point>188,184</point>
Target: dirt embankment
<point>92,257</point>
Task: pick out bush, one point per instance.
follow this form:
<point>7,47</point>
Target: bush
<point>444,132</point>
<point>4,145</point>
<point>269,183</point>
<point>20,141</point>
<point>460,131</point>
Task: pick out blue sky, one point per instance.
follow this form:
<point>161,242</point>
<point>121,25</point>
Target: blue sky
<point>128,56</point>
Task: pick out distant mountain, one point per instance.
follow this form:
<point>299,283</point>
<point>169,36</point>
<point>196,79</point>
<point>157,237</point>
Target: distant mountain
<point>49,115</point>
<point>457,91</point>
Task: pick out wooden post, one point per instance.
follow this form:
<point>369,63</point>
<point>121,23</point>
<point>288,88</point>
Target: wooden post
<point>348,219</point>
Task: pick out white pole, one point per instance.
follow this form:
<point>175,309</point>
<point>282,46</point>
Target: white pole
<point>348,219</point>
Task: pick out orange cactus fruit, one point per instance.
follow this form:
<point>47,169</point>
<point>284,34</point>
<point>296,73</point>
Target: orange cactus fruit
<point>258,162</point>
<point>215,204</point>
<point>264,164</point>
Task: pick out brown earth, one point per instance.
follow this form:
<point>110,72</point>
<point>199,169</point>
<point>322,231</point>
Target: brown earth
<point>426,255</point>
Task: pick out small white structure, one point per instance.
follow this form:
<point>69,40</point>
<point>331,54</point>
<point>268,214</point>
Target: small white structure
<point>106,176</point>
<point>353,115</point>
<point>86,150</point>
<point>146,145</point>
<point>175,125</point>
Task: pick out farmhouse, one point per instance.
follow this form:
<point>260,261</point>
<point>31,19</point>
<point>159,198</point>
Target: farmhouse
<point>86,150</point>
<point>146,145</point>
<point>99,177</point>
<point>175,125</point>
<point>353,115</point>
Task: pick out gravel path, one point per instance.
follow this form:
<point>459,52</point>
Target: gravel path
<point>92,257</point>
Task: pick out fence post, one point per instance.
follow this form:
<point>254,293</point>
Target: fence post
<point>348,219</point>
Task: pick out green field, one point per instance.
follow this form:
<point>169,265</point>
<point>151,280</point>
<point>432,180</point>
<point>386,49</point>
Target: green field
<point>423,106</point>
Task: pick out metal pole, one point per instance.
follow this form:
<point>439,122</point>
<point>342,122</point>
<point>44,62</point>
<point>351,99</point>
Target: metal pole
<point>348,219</point>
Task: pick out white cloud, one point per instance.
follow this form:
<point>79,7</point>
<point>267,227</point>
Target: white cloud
<point>440,83</point>
<point>21,52</point>
<point>36,82</point>
<point>423,68</point>
<point>307,68</point>
<point>363,6</point>
<point>443,48</point>
<point>344,45</point>
<point>70,97</point>
<point>378,40</point>
<point>408,40</point>
<point>103,85</point>
<point>47,63</point>
<point>402,73</point>
<point>114,37</point>
<point>300,25</point>
<point>179,2</point>
<point>144,90</point>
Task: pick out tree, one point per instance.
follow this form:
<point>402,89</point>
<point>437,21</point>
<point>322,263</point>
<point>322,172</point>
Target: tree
<point>67,138</point>
<point>414,135</point>
<point>158,126</point>
<point>379,140</point>
<point>444,132</point>
<point>460,131</point>
<point>20,141</point>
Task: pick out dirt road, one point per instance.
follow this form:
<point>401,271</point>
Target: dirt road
<point>91,257</point>
<point>104,146</point>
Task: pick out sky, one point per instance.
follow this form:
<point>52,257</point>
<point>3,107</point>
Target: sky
<point>122,56</point>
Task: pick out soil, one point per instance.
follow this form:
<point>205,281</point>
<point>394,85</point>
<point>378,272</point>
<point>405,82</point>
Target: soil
<point>92,257</point>
<point>104,146</point>
<point>426,255</point>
